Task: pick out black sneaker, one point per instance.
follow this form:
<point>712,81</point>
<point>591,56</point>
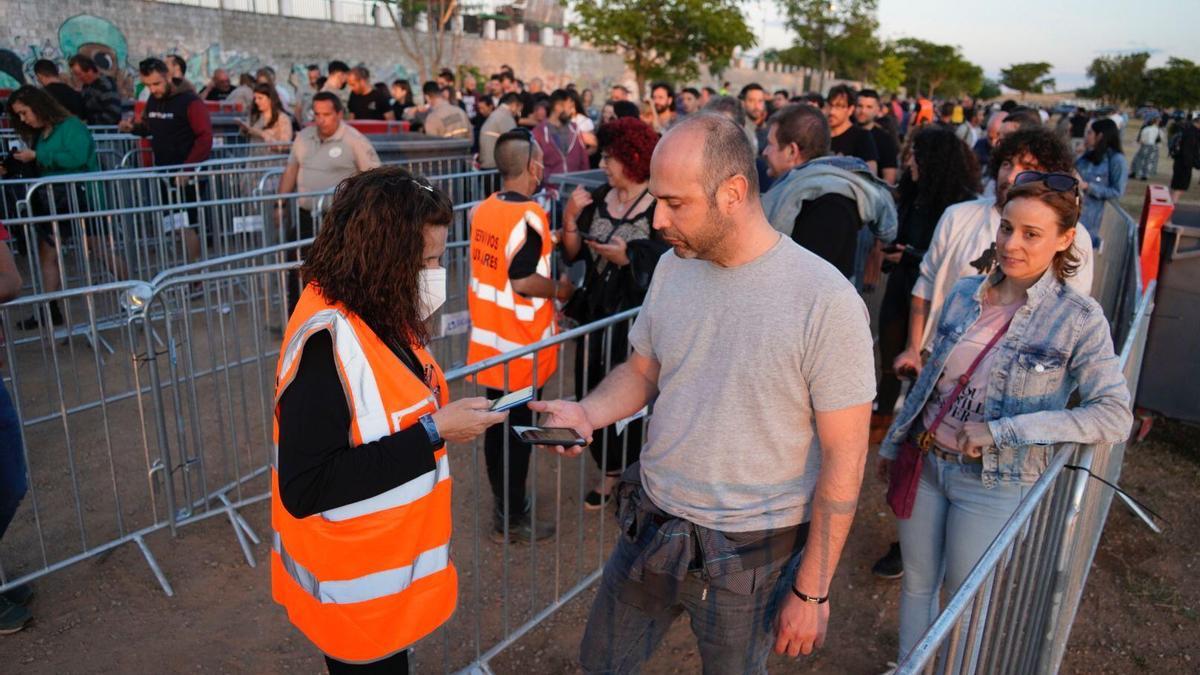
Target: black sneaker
<point>13,617</point>
<point>21,595</point>
<point>520,528</point>
<point>33,322</point>
<point>594,501</point>
<point>890,566</point>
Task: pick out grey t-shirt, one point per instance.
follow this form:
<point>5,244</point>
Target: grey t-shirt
<point>747,354</point>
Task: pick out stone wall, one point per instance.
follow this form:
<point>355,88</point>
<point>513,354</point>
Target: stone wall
<point>119,33</point>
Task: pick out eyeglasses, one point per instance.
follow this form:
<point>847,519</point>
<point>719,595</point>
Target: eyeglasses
<point>1059,182</point>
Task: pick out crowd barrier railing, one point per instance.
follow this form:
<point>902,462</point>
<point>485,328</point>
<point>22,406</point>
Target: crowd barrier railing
<point>1014,611</point>
<point>132,225</point>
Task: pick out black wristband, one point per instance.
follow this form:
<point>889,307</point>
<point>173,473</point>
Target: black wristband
<point>808,598</point>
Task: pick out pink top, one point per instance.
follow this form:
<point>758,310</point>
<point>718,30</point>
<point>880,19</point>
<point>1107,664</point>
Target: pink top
<point>969,406</point>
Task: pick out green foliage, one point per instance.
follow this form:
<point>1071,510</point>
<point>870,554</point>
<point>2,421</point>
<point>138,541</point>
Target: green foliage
<point>665,39</point>
<point>1176,85</point>
<point>931,68</point>
<point>1027,77</point>
<point>988,90</point>
<point>889,77</point>
<point>1118,79</point>
<point>834,36</point>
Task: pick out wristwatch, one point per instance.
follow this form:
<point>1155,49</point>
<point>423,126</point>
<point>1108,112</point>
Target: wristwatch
<point>431,429</point>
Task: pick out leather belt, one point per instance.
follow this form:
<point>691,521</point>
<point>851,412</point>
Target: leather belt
<point>954,456</point>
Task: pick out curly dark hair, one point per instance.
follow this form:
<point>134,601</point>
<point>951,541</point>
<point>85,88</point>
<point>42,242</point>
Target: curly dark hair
<point>1066,207</point>
<point>631,142</point>
<point>44,106</point>
<point>948,171</point>
<point>368,254</point>
<point>1045,146</point>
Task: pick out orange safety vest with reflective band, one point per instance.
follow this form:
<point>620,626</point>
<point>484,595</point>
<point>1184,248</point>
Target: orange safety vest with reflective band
<point>501,319</point>
<point>365,580</point>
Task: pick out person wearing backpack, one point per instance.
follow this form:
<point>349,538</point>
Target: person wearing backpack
<point>1185,149</point>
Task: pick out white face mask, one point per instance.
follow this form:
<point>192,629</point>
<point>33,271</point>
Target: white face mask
<point>432,290</point>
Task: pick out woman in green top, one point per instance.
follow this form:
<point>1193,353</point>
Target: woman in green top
<point>59,143</point>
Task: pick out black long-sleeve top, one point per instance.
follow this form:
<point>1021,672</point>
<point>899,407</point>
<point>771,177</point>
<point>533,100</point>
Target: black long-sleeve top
<point>319,469</point>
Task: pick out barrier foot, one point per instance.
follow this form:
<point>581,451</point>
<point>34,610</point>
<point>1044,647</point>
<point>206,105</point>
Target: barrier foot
<point>153,563</point>
<point>240,528</point>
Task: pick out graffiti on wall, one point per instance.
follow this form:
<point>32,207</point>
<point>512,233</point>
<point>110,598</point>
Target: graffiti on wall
<point>107,45</point>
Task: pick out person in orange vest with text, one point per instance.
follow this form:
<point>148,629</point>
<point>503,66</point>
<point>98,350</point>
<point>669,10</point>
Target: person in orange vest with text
<point>360,502</point>
<point>512,305</point>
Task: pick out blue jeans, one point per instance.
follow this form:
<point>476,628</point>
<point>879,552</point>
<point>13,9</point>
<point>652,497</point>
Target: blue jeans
<point>735,628</point>
<point>954,519</point>
<point>12,461</point>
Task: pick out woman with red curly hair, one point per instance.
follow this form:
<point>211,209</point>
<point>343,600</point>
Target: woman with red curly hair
<point>610,229</point>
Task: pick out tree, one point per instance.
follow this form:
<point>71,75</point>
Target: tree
<point>833,36</point>
<point>989,89</point>
<point>436,46</point>
<point>930,68</point>
<point>890,75</point>
<point>1117,79</point>
<point>665,39</point>
<point>1176,85</point>
<point>1027,77</point>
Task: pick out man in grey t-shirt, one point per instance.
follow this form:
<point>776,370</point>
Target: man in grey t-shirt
<point>757,357</point>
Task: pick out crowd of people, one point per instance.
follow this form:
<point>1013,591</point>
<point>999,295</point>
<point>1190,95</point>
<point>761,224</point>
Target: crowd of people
<point>746,227</point>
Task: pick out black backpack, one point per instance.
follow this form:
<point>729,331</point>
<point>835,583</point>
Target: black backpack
<point>1175,145</point>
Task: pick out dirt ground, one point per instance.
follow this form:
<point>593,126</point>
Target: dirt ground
<point>1140,612</point>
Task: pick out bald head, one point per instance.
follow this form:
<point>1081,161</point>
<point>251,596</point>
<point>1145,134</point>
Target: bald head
<point>714,145</point>
<point>702,173</point>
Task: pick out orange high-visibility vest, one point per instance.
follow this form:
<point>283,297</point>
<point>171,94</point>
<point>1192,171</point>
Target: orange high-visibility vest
<point>365,580</point>
<point>501,319</point>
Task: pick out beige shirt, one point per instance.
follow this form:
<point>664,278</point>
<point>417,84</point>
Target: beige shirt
<point>280,132</point>
<point>325,163</point>
<point>447,121</point>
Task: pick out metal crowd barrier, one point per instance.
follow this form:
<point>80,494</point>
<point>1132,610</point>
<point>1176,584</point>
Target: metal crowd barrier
<point>136,231</point>
<point>1014,611</point>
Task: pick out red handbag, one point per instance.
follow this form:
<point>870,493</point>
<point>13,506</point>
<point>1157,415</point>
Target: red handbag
<point>906,468</point>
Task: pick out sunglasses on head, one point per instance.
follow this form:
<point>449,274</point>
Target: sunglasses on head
<point>1059,182</point>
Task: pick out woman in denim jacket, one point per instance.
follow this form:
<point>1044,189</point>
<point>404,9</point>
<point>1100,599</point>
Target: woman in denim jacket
<point>1103,173</point>
<point>999,434</point>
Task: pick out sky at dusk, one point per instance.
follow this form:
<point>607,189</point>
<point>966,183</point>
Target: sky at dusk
<point>1065,33</point>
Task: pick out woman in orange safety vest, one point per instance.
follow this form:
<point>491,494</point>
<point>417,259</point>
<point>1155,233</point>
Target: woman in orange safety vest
<point>360,505</point>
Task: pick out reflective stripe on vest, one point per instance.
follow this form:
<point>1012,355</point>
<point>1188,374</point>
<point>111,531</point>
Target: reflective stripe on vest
<point>398,496</point>
<point>367,587</point>
<point>357,377</point>
<point>489,339</point>
<point>506,299</point>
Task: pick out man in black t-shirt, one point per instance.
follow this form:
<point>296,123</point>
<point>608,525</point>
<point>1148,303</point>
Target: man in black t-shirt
<point>867,111</point>
<point>846,138</point>
<point>47,75</point>
<point>366,102</point>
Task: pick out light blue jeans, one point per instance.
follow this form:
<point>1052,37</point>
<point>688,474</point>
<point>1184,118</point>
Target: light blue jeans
<point>954,519</point>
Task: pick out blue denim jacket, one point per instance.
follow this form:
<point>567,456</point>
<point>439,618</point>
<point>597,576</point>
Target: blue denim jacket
<point>1106,181</point>
<point>1058,342</point>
